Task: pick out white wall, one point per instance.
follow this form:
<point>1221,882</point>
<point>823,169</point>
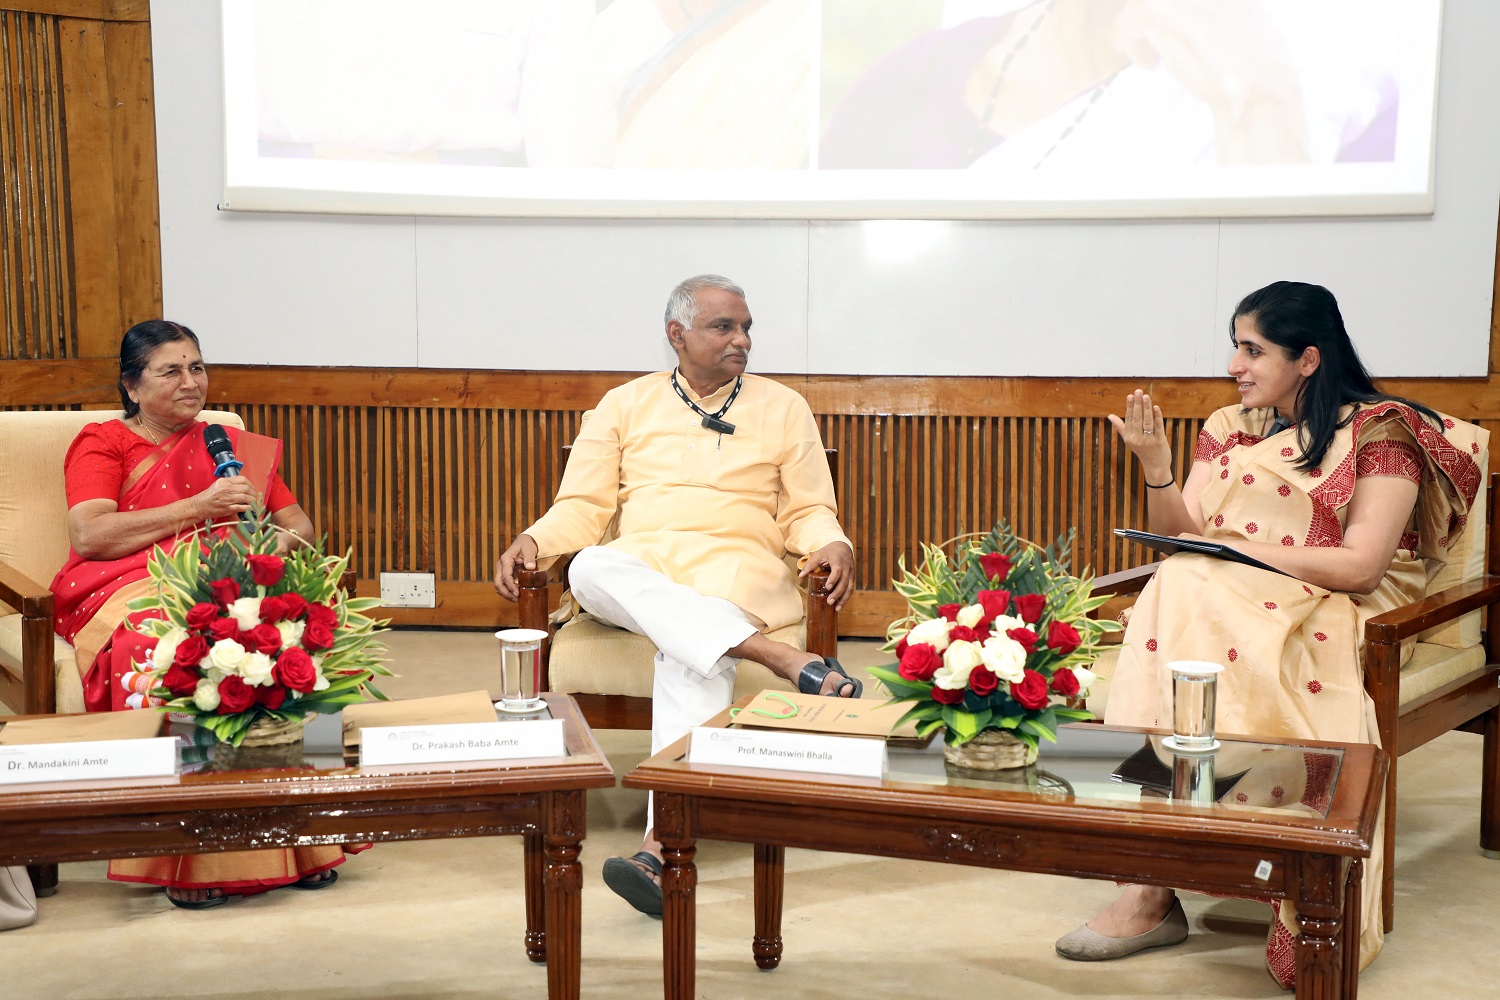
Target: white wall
<point>969,298</point>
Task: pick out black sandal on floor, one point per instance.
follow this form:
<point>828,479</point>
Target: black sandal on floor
<point>810,681</point>
<point>317,880</point>
<point>199,904</point>
<point>632,884</point>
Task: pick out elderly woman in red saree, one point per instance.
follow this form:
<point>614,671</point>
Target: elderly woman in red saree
<point>147,480</point>
<point>1351,493</point>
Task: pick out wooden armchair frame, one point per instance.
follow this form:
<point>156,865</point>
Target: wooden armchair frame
<point>35,691</point>
<point>615,711</point>
<point>1470,703</point>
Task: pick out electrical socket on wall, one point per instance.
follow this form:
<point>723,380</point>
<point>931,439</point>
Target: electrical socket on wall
<point>408,590</point>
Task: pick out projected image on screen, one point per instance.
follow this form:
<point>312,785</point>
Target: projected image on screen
<point>838,108</point>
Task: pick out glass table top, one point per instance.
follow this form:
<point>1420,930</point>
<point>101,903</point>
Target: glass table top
<point>1107,766</point>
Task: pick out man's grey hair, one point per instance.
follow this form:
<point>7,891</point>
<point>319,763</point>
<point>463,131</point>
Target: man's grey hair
<point>682,304</point>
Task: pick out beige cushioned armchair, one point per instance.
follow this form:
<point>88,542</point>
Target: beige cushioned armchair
<point>38,672</point>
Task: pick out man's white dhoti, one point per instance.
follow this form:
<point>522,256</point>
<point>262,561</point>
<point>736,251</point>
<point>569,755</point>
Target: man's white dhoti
<point>693,679</point>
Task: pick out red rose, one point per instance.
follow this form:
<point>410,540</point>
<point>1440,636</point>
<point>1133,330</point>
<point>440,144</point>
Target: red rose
<point>994,602</point>
<point>224,628</point>
<point>982,682</point>
<point>263,638</point>
<point>962,633</point>
<point>272,610</point>
<point>945,697</point>
<point>1065,682</point>
<point>234,695</point>
<point>270,697</point>
<point>190,652</point>
<point>1024,636</point>
<point>225,591</point>
<point>295,669</point>
<point>1030,606</point>
<point>920,662</point>
<point>900,647</point>
<point>949,611</point>
<point>323,614</point>
<point>296,606</point>
<point>317,636</point>
<point>266,571</point>
<point>1031,690</point>
<point>201,615</point>
<point>181,681</point>
<point>1063,638</point>
<point>995,566</point>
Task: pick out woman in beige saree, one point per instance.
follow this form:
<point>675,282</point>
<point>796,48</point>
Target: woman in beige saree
<point>1351,493</point>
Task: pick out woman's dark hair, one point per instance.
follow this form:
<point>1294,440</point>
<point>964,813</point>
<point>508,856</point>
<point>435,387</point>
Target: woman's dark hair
<point>135,350</point>
<point>1294,316</point>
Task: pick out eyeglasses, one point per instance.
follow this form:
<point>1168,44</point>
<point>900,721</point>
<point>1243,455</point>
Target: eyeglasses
<point>173,373</point>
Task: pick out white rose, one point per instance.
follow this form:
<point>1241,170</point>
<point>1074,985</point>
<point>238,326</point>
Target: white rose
<point>1005,623</point>
<point>322,684</point>
<point>969,615</point>
<point>1086,678</point>
<point>291,633</point>
<point>245,612</point>
<point>933,632</point>
<point>1005,658</point>
<point>256,670</point>
<point>166,649</point>
<point>206,695</point>
<point>227,655</point>
<point>960,659</point>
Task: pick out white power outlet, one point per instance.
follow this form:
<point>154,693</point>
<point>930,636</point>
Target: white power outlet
<point>408,590</point>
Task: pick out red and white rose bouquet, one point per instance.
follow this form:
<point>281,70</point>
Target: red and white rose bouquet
<point>999,637</point>
<point>247,633</point>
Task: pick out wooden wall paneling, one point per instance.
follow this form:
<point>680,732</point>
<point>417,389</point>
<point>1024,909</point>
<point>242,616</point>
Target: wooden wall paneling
<point>111,138</point>
<point>35,278</point>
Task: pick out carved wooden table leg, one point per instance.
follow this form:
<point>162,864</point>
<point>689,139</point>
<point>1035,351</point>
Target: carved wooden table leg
<point>770,870</point>
<point>562,833</point>
<point>536,907</point>
<point>679,891</point>
<point>1320,945</point>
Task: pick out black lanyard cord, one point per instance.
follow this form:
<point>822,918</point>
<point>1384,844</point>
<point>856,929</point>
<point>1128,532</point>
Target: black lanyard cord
<point>713,421</point>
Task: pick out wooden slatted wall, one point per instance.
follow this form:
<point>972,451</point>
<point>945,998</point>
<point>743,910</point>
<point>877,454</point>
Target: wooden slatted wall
<point>36,293</point>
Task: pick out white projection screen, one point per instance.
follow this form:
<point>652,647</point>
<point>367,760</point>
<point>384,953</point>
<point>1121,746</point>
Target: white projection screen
<point>839,109</point>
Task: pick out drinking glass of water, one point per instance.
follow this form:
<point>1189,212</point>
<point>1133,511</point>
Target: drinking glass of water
<point>520,669</point>
<point>1194,689</point>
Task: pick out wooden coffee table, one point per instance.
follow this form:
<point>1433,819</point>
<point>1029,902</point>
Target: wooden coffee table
<point>1070,819</point>
<point>210,811</point>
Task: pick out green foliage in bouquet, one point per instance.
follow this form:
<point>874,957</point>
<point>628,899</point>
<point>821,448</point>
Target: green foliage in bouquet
<point>245,633</point>
<point>998,637</point>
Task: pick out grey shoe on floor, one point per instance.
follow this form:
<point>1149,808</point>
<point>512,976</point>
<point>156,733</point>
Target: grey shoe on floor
<point>1087,945</point>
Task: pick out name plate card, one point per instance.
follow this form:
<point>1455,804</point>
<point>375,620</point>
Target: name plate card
<point>461,741</point>
<point>787,751</point>
<point>88,761</point>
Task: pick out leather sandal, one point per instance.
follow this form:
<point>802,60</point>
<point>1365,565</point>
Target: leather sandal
<point>317,880</point>
<point>810,681</point>
<point>199,904</point>
<point>632,884</point>
<point>1084,944</point>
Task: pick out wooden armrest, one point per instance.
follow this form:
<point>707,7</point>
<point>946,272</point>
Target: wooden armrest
<point>23,593</point>
<point>1435,609</point>
<point>553,569</point>
<point>822,617</point>
<point>1126,581</point>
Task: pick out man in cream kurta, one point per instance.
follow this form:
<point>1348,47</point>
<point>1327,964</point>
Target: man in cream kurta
<point>705,518</point>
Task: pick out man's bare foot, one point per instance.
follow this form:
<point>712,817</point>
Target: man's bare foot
<point>789,661</point>
<point>1135,911</point>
